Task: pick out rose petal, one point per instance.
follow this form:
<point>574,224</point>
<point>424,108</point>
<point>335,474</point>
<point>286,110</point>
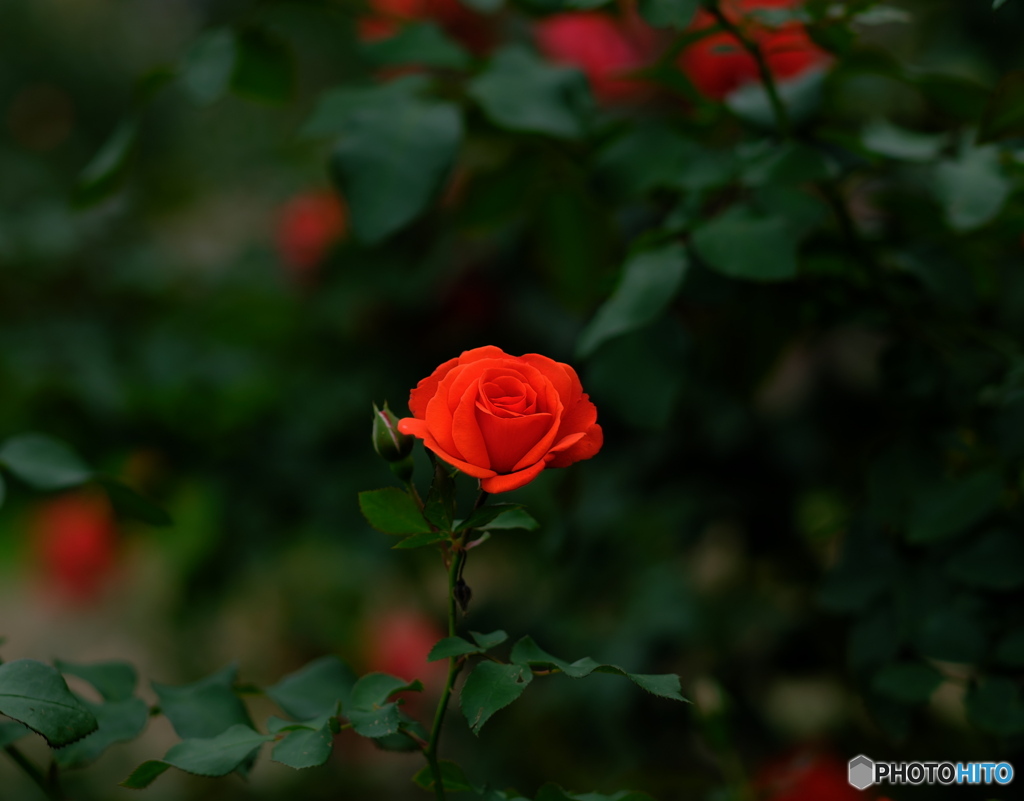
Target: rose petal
<point>427,388</point>
<point>562,377</point>
<point>466,431</point>
<point>509,439</point>
<point>579,417</point>
<point>585,448</point>
<point>511,481</point>
<point>486,352</point>
<point>419,428</point>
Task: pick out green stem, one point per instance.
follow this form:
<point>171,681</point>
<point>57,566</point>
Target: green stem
<point>767,79</point>
<point>458,557</point>
<point>34,773</point>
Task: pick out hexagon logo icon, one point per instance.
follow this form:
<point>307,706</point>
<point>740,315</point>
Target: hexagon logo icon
<point>862,772</point>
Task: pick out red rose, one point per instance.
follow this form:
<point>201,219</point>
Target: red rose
<point>604,48</point>
<point>460,22</point>
<point>308,226</point>
<point>75,540</point>
<point>504,418</point>
<point>808,776</point>
<point>398,643</point>
<point>718,64</point>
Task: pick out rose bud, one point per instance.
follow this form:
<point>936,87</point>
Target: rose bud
<point>390,444</point>
<point>503,419</point>
<point>718,64</point>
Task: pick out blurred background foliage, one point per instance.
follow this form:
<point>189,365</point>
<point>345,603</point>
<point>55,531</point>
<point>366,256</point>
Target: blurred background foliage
<point>809,372</point>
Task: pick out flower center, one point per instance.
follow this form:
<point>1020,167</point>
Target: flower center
<point>507,396</point>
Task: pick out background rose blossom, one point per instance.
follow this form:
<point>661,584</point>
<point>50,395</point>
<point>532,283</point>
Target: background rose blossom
<point>718,64</point>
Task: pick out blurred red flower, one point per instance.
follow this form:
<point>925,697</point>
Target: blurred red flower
<point>807,776</point>
<point>718,64</point>
<point>307,226</point>
<point>458,21</point>
<point>604,48</point>
<point>398,643</point>
<point>74,538</point>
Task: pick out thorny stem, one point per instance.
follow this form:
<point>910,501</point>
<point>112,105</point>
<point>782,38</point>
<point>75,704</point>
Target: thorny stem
<point>456,562</point>
<point>778,108</point>
<point>34,773</point>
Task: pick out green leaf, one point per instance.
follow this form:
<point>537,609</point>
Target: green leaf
<point>622,795</point>
<point>120,721</point>
<point>422,540</point>
<point>491,640</point>
<point>315,689</point>
<point>741,245</point>
<point>789,163</point>
<point>204,708</point>
<point>1004,114</point>
<point>456,646</point>
<point>439,508</point>
<point>801,96</point>
<point>145,774</point>
<point>209,64</point>
<point>676,14</point>
<point>907,682</point>
<point>491,687</point>
<point>886,139</point>
<point>3,490</point>
<point>992,561</point>
<point>264,68</point>
<point>953,632</point>
<point>131,505</point>
<point>304,746</point>
<point>451,646</point>
<point>393,511</point>
<point>995,707</point>
<point>369,711</point>
<point>512,519</point>
<point>102,176</point>
<point>37,695</point>
<point>11,731</point>
<point>43,463</point>
<point>423,44</point>
<point>650,280</point>
<point>485,515</point>
<point>396,150</point>
<point>972,189</point>
<point>216,756</point>
<point>874,639</point>
<point>527,652</point>
<point>648,157</point>
<point>114,680</point>
<point>521,92</point>
<point>941,511</point>
<point>452,778</point>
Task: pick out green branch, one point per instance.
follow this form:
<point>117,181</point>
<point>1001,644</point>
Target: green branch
<point>767,79</point>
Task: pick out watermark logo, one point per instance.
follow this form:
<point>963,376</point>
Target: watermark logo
<point>864,772</point>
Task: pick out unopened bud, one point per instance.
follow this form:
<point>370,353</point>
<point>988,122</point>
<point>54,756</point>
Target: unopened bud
<point>390,445</point>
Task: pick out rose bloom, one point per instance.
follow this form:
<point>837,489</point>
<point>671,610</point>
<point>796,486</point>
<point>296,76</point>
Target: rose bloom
<point>718,64</point>
<point>461,23</point>
<point>807,776</point>
<point>503,418</point>
<point>603,47</point>
<point>75,540</point>
<point>307,227</point>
